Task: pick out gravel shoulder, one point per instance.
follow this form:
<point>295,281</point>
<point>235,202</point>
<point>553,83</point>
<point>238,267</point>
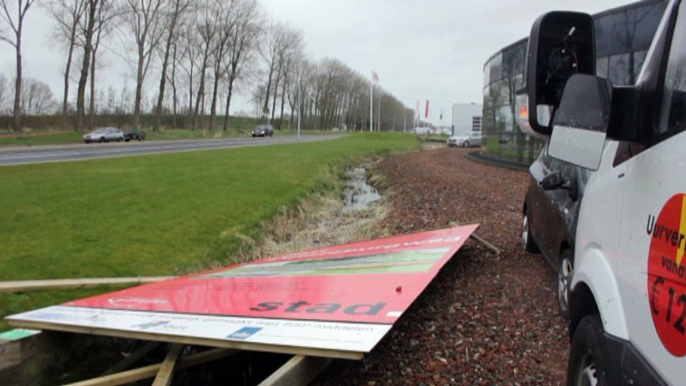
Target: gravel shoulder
<point>486,319</point>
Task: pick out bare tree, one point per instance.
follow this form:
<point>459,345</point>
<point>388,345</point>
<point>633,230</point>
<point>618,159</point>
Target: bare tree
<point>145,24</point>
<point>67,15</point>
<point>16,24</point>
<point>103,26</point>
<point>86,35</point>
<point>37,97</point>
<point>174,14</point>
<point>207,29</point>
<point>226,20</point>
<point>242,45</point>
<point>269,50</point>
<point>187,58</point>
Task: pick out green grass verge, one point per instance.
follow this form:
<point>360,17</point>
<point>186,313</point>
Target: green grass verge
<point>157,214</point>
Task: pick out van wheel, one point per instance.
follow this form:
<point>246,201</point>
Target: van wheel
<point>588,357</point>
<point>565,269</point>
<point>527,239</point>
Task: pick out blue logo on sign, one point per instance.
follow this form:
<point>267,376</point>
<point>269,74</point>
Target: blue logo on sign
<point>244,333</point>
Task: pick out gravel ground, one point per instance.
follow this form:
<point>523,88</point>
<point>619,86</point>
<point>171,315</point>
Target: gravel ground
<point>486,319</point>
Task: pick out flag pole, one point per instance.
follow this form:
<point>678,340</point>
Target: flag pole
<point>371,106</point>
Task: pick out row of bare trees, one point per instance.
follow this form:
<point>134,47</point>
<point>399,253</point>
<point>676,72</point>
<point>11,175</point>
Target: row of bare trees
<point>199,54</point>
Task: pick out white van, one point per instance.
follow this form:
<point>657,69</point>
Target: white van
<point>627,293</point>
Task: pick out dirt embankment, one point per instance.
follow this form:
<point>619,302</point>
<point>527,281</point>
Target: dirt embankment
<point>486,319</point>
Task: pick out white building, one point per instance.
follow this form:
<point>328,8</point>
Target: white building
<point>467,117</point>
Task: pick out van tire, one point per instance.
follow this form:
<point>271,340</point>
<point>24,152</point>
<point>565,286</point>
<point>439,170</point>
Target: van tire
<point>589,354</point>
<point>565,269</point>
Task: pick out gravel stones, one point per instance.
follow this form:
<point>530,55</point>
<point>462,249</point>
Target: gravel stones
<point>486,319</point>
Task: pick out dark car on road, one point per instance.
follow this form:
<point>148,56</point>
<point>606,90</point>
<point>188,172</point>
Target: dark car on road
<point>263,131</point>
<point>551,210</point>
<point>134,134</point>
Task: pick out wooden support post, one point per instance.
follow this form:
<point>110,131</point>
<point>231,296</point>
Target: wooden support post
<point>131,359</point>
<point>164,376</point>
<point>300,370</point>
<point>33,285</point>
<point>478,239</point>
<point>152,370</point>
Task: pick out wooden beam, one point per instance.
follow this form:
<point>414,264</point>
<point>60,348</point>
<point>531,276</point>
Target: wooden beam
<point>145,335</point>
<point>477,238</point>
<point>300,370</point>
<point>33,285</point>
<point>164,376</point>
<point>150,371</point>
<point>133,358</point>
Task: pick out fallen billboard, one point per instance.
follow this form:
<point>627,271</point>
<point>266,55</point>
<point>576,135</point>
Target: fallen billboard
<point>337,301</point>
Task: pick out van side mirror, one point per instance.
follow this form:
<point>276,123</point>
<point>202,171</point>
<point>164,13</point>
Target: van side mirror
<point>561,44</point>
<point>552,181</point>
<point>580,125</point>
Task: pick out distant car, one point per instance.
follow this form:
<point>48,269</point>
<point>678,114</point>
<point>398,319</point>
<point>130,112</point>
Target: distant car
<point>104,134</point>
<point>134,134</point>
<point>550,213</point>
<point>465,140</point>
<point>263,131</point>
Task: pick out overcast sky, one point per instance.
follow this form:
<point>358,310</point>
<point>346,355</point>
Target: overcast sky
<point>421,49</point>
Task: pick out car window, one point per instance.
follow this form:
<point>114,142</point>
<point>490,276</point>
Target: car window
<point>672,118</point>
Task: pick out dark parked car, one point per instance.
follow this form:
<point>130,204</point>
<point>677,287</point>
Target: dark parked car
<point>134,134</point>
<point>551,210</point>
<point>263,131</point>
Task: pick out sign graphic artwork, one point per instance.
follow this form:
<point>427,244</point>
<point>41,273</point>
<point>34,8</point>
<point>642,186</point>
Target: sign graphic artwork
<point>357,289</point>
<point>667,274</point>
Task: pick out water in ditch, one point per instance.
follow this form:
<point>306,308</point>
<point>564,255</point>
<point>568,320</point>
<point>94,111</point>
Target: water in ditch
<point>358,193</point>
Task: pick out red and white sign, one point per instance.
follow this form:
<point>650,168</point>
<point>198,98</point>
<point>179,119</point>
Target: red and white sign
<point>667,275</point>
<point>315,292</point>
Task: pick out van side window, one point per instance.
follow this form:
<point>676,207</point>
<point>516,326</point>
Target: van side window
<point>673,109</point>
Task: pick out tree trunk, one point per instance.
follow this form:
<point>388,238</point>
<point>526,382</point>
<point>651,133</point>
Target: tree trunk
<point>139,90</point>
<point>201,91</point>
<point>173,85</point>
<point>269,86</point>
<point>91,108</point>
<point>283,99</point>
<point>228,103</point>
<point>163,78</point>
<point>213,108</point>
<point>65,100</point>
<point>17,86</point>
<point>80,98</point>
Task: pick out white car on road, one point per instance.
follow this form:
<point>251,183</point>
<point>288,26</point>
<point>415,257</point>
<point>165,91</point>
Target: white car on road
<point>104,134</point>
<point>465,140</point>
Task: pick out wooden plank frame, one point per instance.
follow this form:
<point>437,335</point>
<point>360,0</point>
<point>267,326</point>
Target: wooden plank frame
<point>300,370</point>
<point>142,335</point>
<point>34,285</point>
<point>152,370</point>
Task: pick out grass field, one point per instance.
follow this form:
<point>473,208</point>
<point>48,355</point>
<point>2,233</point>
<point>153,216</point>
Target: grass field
<point>157,214</point>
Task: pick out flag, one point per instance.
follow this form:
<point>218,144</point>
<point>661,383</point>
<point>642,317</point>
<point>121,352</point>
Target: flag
<point>416,112</point>
<point>426,111</point>
<point>375,77</point>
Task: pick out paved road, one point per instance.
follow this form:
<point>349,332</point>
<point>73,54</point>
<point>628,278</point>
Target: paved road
<point>40,154</point>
